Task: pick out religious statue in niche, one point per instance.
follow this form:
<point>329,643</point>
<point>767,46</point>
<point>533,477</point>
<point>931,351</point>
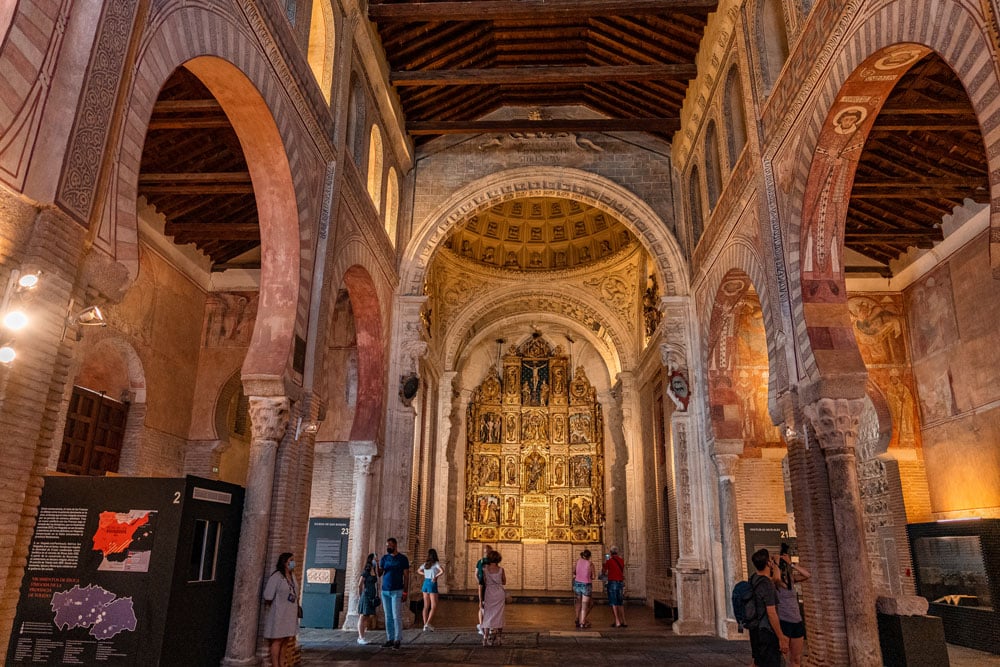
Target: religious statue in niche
<point>520,425</point>
<point>651,314</point>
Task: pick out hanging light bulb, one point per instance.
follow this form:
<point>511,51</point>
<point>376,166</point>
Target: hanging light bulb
<point>28,280</point>
<point>15,320</point>
<point>7,354</point>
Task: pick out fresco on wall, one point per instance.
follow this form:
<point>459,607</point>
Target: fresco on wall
<point>229,319</point>
<point>880,330</point>
<point>738,366</point>
<point>931,310</point>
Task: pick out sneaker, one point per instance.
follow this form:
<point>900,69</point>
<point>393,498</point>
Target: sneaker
<point>479,629</point>
<point>362,641</point>
<point>429,628</point>
<point>387,644</point>
<point>395,645</point>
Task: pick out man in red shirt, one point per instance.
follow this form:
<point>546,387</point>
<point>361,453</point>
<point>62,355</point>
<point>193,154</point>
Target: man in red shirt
<point>614,569</point>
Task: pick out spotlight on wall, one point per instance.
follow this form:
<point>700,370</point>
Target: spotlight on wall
<point>91,316</point>
<point>12,316</point>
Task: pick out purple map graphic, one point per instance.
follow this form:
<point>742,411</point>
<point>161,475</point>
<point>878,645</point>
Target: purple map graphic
<point>95,608</point>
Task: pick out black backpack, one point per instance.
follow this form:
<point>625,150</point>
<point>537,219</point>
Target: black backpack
<point>748,608</point>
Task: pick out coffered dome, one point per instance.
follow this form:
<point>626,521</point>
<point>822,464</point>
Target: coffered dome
<point>539,234</point>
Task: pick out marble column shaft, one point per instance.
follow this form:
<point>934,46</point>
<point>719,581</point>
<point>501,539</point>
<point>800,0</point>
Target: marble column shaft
<point>360,538</point>
<point>729,522</point>
<point>269,420</point>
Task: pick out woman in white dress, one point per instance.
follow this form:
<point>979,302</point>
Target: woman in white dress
<point>494,600</point>
<point>281,602</point>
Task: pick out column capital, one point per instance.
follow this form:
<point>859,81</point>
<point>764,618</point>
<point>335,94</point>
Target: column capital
<point>363,465</point>
<point>726,464</point>
<point>360,448</point>
<point>269,416</point>
<point>835,421</point>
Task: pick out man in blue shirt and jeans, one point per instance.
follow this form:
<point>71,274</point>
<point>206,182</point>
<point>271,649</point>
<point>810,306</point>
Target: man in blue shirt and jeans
<point>395,570</point>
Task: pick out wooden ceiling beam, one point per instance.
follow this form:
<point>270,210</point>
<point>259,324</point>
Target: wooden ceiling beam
<point>186,106</point>
<point>542,75</point>
<point>215,122</point>
<point>196,177</point>
<point>493,10</point>
<point>197,189</point>
<point>564,125</point>
<point>216,231</point>
<point>927,192</point>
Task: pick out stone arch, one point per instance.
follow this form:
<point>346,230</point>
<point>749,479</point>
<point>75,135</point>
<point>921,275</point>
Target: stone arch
<point>879,32</point>
<point>771,32</point>
<point>736,120</point>
<point>713,164</point>
<point>225,61</point>
<point>504,302</point>
<point>322,40</point>
<point>597,191</point>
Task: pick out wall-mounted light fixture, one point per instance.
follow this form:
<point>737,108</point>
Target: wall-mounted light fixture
<point>13,317</point>
<point>91,316</point>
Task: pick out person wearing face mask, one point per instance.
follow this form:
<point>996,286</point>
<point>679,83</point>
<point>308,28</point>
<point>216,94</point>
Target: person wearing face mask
<point>281,602</point>
<point>395,570</point>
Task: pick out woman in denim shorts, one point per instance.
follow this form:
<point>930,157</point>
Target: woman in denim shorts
<point>583,587</point>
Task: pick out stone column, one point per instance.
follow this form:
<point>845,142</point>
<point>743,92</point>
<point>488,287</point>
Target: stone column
<point>439,497</point>
<point>269,419</point>
<point>364,458</point>
<point>836,424</point>
<point>727,457</point>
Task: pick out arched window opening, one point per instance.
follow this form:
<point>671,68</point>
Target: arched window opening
<point>713,171</point>
<point>736,120</point>
<point>375,167</point>
<point>355,119</point>
<point>773,45</point>
<point>694,194</point>
<point>321,43</point>
<point>391,204</point>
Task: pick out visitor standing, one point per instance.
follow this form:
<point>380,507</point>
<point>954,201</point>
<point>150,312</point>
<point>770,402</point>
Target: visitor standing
<point>767,642</point>
<point>480,565</point>
<point>614,570</point>
<point>368,599</point>
<point>395,570</point>
<point>583,588</point>
<point>789,614</point>
<point>281,603</point>
<point>494,600</point>
<point>431,569</point>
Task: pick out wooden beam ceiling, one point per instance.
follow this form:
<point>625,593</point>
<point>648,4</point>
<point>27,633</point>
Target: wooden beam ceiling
<point>529,10</point>
<point>543,75</point>
<point>550,125</point>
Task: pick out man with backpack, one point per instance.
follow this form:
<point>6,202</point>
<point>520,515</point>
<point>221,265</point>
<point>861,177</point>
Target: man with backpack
<point>767,642</point>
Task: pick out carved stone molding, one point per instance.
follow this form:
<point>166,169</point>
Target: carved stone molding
<point>269,417</point>
<point>835,421</point>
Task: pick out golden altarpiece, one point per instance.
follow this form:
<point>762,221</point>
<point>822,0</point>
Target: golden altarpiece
<point>534,459</point>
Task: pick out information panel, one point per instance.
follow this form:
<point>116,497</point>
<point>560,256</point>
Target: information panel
<point>766,536</point>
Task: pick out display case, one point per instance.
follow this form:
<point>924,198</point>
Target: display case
<point>957,568</point>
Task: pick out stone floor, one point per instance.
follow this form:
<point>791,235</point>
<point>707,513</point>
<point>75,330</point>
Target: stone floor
<point>544,634</point>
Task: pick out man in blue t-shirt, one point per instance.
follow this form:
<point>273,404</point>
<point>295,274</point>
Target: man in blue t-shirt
<point>395,570</point>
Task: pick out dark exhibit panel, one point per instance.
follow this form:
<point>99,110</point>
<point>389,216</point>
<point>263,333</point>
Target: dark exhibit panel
<point>323,593</point>
<point>957,568</point>
<point>128,571</point>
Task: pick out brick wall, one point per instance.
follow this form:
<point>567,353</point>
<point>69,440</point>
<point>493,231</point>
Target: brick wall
<point>760,496</point>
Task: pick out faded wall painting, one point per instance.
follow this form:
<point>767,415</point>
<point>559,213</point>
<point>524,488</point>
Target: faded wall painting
<point>534,457</point>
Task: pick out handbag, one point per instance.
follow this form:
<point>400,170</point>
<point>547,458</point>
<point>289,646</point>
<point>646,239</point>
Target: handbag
<point>300,611</point>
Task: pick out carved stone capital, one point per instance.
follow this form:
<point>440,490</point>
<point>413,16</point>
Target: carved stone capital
<point>363,465</point>
<point>269,417</point>
<point>674,356</point>
<point>835,421</point>
<point>726,464</point>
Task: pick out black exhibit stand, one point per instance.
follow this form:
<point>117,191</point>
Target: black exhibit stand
<point>129,571</point>
<point>323,592</point>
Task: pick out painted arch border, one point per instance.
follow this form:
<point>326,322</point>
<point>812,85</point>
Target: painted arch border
<point>563,182</point>
<point>961,39</point>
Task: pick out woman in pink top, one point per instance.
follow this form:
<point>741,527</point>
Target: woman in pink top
<point>583,587</point>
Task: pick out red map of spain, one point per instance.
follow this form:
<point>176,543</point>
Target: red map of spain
<point>114,536</point>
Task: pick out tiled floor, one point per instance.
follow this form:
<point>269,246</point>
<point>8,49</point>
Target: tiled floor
<point>544,634</point>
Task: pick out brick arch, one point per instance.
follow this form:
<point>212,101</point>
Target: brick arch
<point>241,79</point>
<point>564,182</point>
<point>367,310</point>
<point>882,29</point>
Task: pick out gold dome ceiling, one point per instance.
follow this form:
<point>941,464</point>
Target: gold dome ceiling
<point>539,234</point>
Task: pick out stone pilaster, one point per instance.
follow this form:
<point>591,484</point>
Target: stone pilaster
<point>360,542</point>
<point>835,422</point>
<point>397,459</point>
<point>269,420</point>
<point>441,498</point>
<point>727,458</point>
<point>635,479</point>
